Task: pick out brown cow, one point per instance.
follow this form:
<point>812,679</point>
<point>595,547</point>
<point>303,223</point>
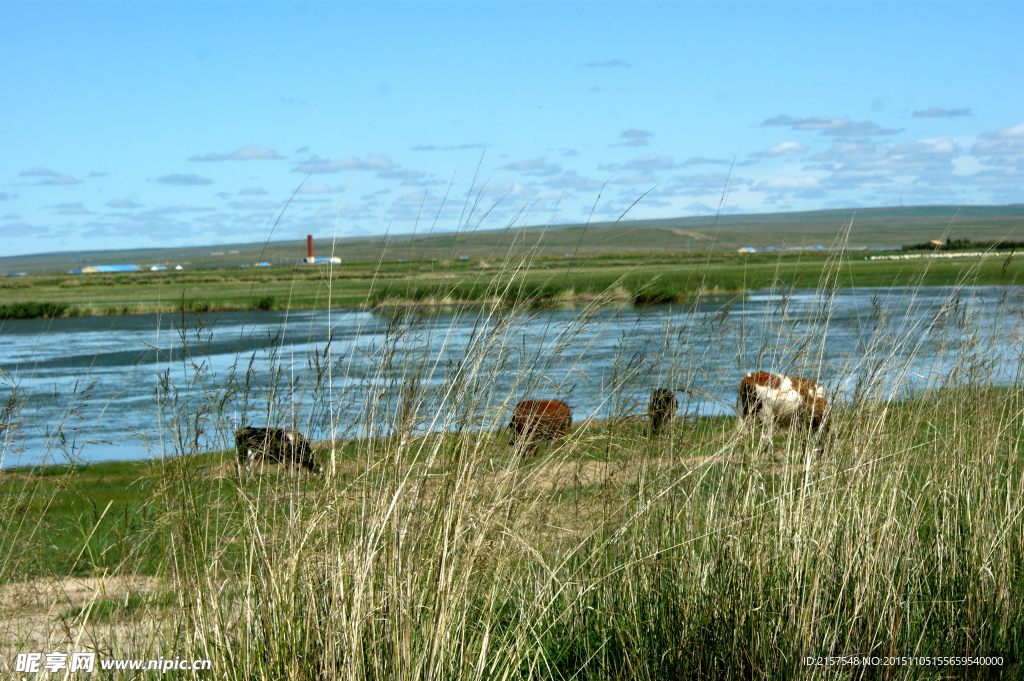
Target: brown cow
<point>778,400</point>
<point>534,421</point>
<point>662,408</point>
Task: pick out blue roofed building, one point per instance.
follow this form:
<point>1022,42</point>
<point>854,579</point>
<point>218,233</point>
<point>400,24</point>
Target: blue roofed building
<point>108,269</point>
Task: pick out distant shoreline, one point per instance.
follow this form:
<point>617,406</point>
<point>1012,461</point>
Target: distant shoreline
<point>625,279</point>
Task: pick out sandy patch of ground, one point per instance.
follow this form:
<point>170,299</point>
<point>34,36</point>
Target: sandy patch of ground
<point>34,615</point>
<point>686,232</point>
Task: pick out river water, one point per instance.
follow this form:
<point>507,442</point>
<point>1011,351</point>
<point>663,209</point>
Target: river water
<point>130,387</point>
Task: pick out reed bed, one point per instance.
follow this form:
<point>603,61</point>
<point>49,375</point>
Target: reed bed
<point>430,549</point>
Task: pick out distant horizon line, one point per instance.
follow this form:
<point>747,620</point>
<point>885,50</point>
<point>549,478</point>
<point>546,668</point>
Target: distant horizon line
<point>602,224</point>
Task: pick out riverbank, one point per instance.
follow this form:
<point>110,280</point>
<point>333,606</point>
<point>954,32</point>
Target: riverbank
<point>112,502</point>
<point>641,280</point>
<point>609,552</point>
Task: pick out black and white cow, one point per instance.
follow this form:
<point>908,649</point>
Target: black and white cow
<point>274,444</point>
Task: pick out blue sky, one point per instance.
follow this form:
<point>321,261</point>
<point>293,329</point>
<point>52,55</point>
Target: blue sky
<point>148,124</point>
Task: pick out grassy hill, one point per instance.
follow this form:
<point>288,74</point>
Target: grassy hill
<point>872,227</point>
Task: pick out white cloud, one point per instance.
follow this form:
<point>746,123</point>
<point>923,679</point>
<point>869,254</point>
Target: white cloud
<point>534,166</point>
<point>1013,132</point>
<point>11,216</point>
<point>700,184</point>
<point>1002,147</point>
<point>319,165</point>
<point>700,160</point>
<point>513,190</point>
<point>782,149</point>
<point>253,205</point>
<point>179,179</point>
<point>249,153</point>
<point>319,188</point>
<point>37,172</point>
<point>925,162</point>
<point>412,204</point>
<point>4,196</point>
<point>936,146</point>
<point>432,147</point>
<point>637,138</point>
<point>635,178</point>
<point>122,203</point>
<point>20,229</point>
<point>154,228</point>
<point>827,125</point>
<point>922,170</point>
<point>77,208</point>
<point>51,176</point>
<point>649,163</point>
<point>571,180</point>
<point>408,177</point>
<point>176,210</point>
<point>788,183</point>
<point>934,112</point>
<point>60,180</point>
<point>698,207</point>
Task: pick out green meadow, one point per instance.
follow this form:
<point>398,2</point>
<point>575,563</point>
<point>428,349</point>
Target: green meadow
<point>640,279</point>
<point>610,554</point>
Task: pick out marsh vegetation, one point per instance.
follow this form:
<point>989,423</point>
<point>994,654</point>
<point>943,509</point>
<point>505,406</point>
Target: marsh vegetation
<point>645,279</point>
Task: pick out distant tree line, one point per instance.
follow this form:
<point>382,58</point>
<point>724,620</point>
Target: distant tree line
<point>964,244</point>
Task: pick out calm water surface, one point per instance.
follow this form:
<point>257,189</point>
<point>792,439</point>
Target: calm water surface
<point>101,388</point>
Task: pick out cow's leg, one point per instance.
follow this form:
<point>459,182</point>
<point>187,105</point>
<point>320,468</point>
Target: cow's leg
<point>246,455</point>
<point>742,433</point>
<point>766,439</point>
<point>823,439</point>
<point>253,454</point>
<point>753,434</point>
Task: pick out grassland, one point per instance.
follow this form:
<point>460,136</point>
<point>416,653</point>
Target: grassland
<point>646,261</point>
<point>611,554</point>
<point>642,279</point>
<point>431,549</point>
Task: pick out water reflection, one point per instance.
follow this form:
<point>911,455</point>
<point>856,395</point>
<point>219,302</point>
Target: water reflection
<point>100,388</point>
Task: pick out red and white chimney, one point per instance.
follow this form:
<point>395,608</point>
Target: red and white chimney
<point>309,247</point>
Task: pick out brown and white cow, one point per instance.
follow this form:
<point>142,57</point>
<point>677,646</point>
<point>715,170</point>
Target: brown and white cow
<point>778,400</point>
<point>534,421</point>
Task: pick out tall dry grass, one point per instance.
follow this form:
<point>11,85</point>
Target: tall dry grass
<point>432,550</point>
